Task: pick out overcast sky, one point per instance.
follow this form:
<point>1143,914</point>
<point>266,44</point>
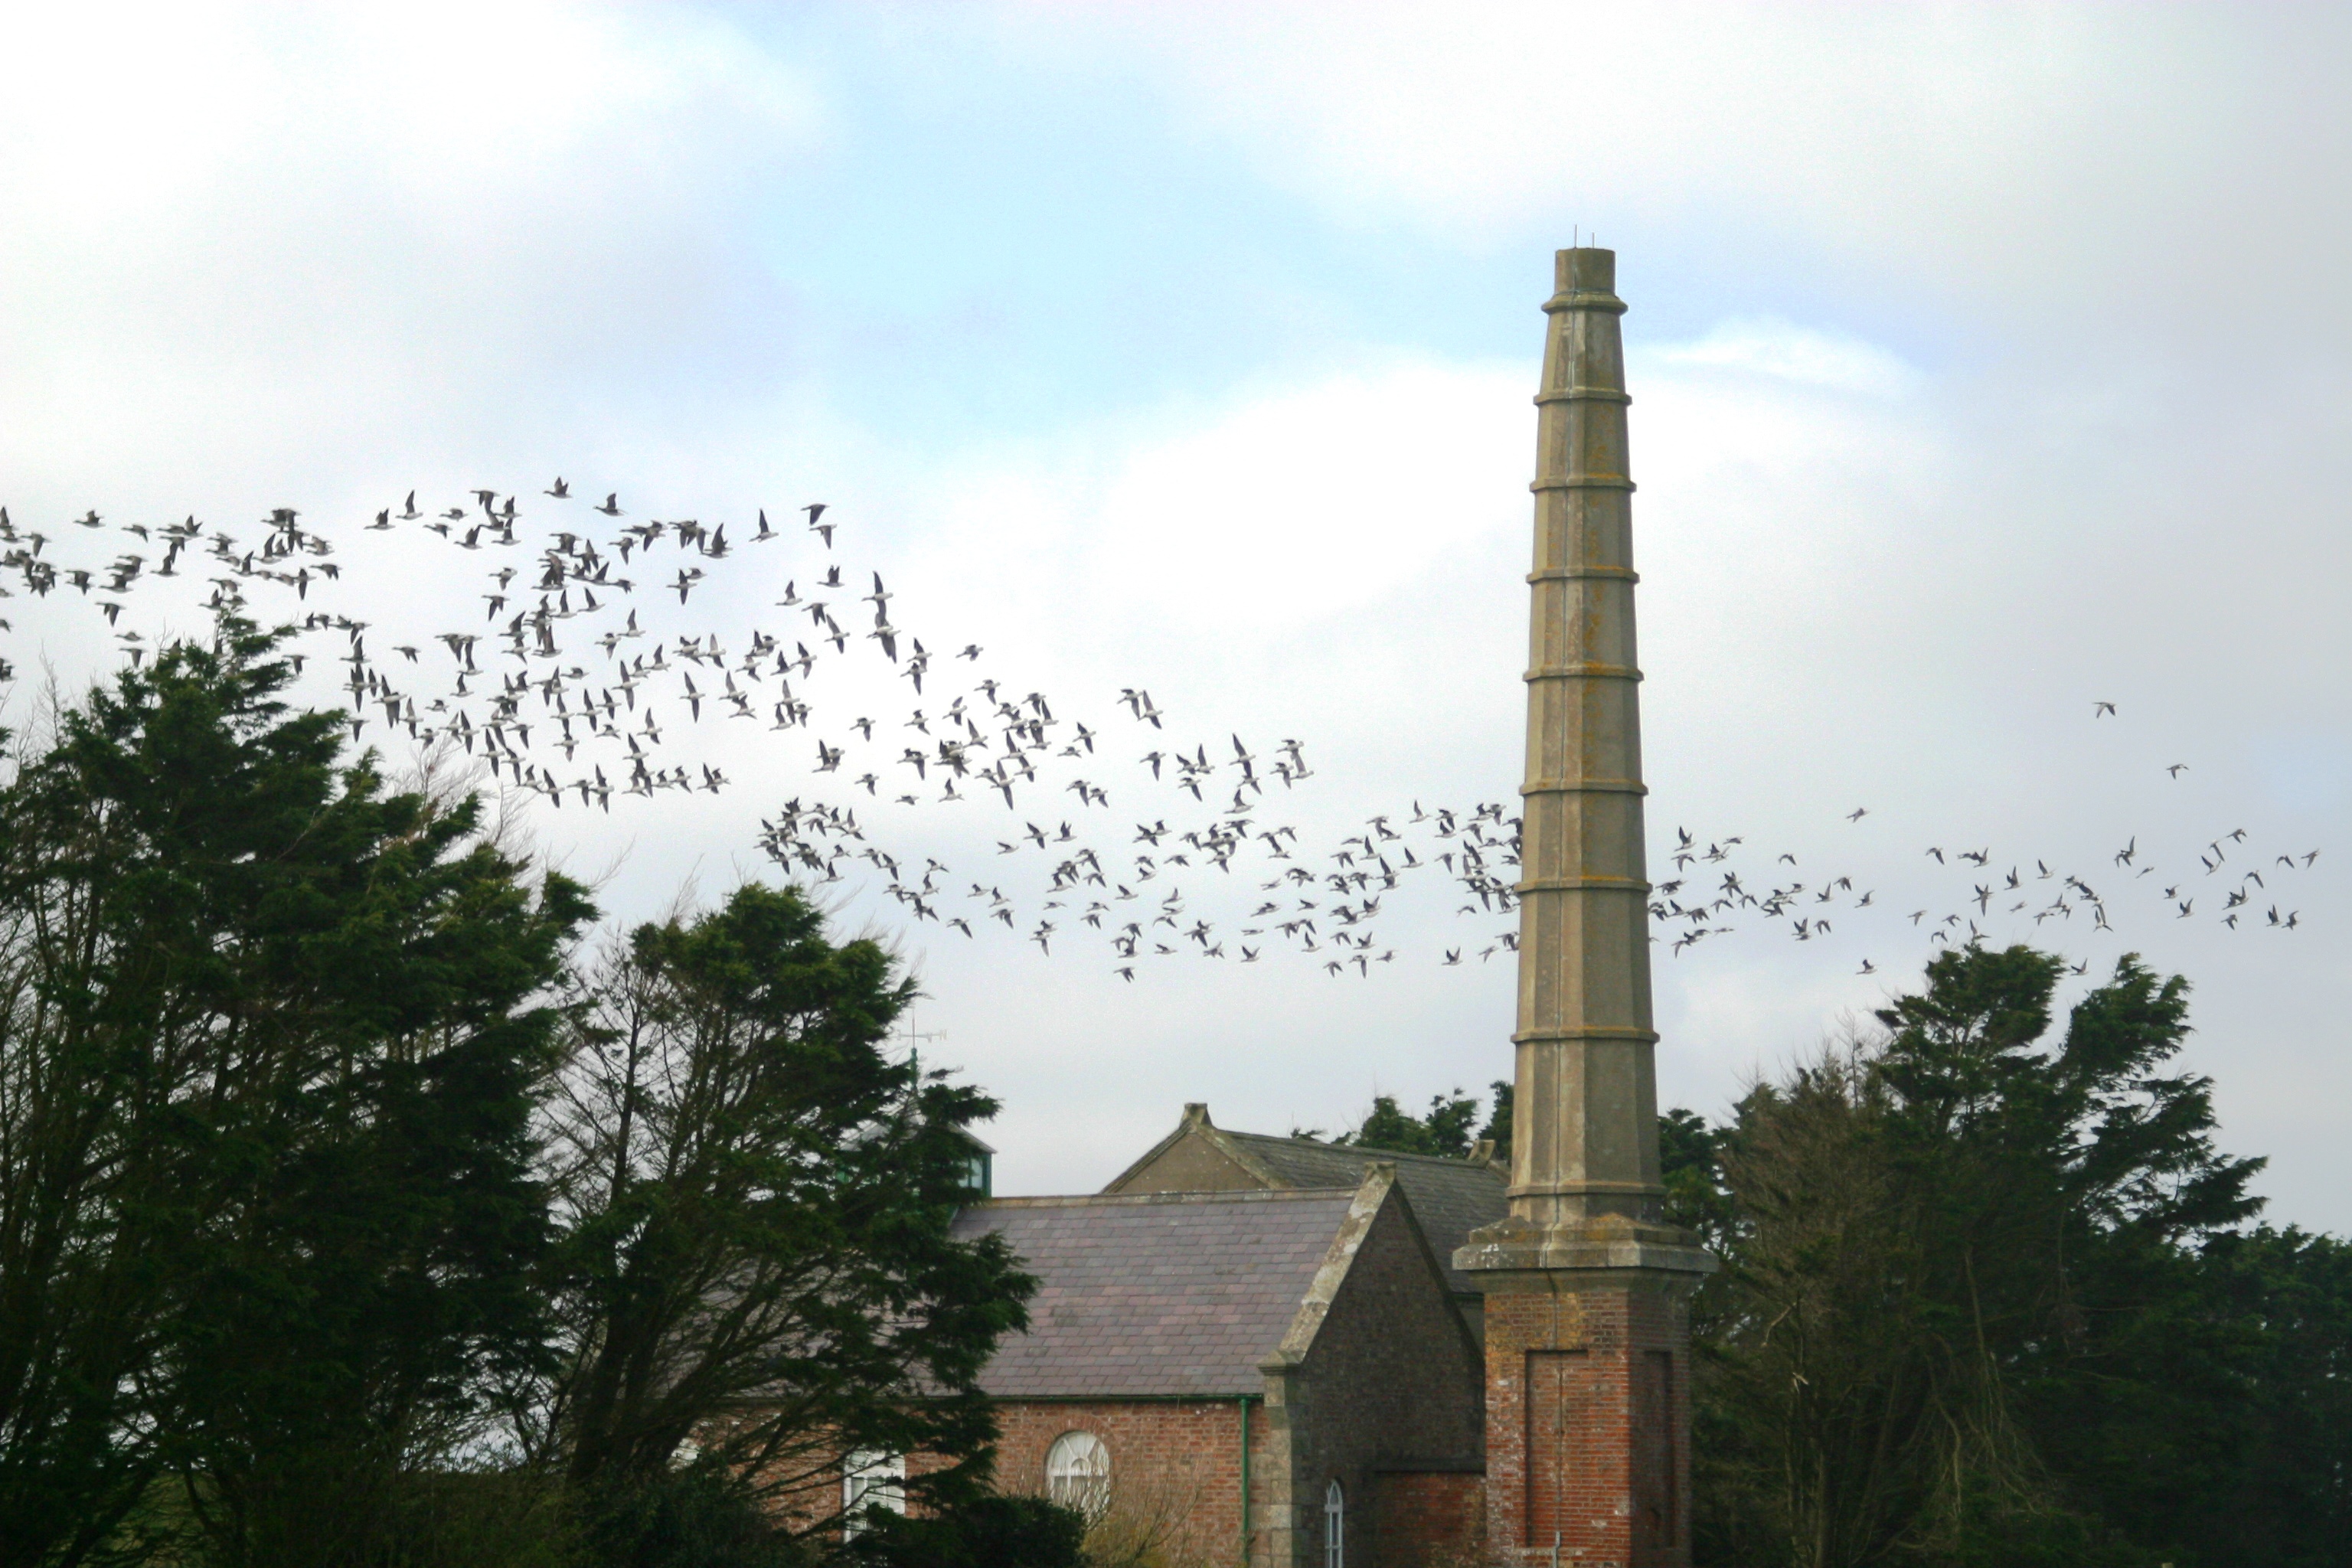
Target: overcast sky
<point>1986,363</point>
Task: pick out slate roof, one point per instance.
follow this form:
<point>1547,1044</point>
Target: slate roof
<point>1156,1292</point>
<point>1449,1198</point>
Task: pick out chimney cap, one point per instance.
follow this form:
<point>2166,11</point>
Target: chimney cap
<point>1585,269</point>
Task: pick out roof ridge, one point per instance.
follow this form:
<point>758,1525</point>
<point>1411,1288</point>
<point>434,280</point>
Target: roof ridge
<point>1115,1200</point>
<point>1459,1161</point>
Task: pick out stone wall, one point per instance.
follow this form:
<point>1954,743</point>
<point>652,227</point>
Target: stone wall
<point>1392,1382</point>
<point>1192,1164</point>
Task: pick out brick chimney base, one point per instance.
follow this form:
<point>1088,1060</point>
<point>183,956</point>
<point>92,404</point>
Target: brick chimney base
<point>1587,1420</point>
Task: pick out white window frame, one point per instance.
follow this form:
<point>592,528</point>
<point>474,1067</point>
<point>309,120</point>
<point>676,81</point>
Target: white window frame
<point>1334,1526</point>
<point>1077,1472</point>
<point>870,1480</point>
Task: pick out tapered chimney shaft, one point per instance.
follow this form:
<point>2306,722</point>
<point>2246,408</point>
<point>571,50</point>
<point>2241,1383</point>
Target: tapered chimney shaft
<point>1584,1115</point>
<point>1586,1287</point>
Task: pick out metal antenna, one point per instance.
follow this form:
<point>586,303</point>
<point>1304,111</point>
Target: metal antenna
<point>914,1038</point>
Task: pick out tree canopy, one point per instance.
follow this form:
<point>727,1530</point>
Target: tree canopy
<point>270,1037</point>
<point>755,1196</point>
<point>1444,1130</point>
<point>1990,1297</point>
<point>349,1216</point>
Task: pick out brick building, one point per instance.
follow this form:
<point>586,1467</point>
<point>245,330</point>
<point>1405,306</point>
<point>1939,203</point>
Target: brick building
<point>1253,1340</point>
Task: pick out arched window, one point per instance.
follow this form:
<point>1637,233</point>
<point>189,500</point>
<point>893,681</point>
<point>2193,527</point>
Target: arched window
<point>870,1480</point>
<point>1078,1473</point>
<point>1335,1526</point>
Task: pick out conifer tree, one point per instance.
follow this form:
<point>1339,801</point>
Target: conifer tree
<point>1948,1246</point>
<point>756,1194</point>
<point>270,1035</point>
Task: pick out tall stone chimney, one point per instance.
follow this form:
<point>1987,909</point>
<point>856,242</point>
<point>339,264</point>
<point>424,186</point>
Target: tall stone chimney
<point>1588,1342</point>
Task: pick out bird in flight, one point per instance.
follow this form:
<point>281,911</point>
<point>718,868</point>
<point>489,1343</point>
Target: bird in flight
<point>2103,709</point>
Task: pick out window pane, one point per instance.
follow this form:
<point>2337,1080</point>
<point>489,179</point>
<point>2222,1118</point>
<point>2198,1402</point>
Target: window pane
<point>871,1480</point>
<point>1078,1473</point>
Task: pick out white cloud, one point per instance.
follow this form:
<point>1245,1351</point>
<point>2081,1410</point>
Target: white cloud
<point>292,240</point>
<point>449,97</point>
<point>1273,513</point>
<point>1766,345</point>
<point>2052,164</point>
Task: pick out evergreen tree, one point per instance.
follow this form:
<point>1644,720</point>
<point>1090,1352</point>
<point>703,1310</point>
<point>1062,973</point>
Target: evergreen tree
<point>1498,1129</point>
<point>2282,1406</point>
<point>1444,1132</point>
<point>1952,1252</point>
<point>268,1036</point>
<point>757,1266</point>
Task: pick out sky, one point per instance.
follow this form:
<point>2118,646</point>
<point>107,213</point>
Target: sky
<point>1987,363</point>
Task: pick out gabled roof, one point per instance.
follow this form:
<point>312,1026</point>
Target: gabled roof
<point>1449,1198</point>
<point>1169,1293</point>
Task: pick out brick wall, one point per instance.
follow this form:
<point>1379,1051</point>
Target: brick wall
<point>1586,1423</point>
<point>1392,1382</point>
<point>1175,1467</point>
<point>806,1495</point>
<point>1428,1518</point>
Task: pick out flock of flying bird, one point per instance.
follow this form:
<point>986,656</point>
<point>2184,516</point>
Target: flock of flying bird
<point>570,690</point>
<point>1700,901</point>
